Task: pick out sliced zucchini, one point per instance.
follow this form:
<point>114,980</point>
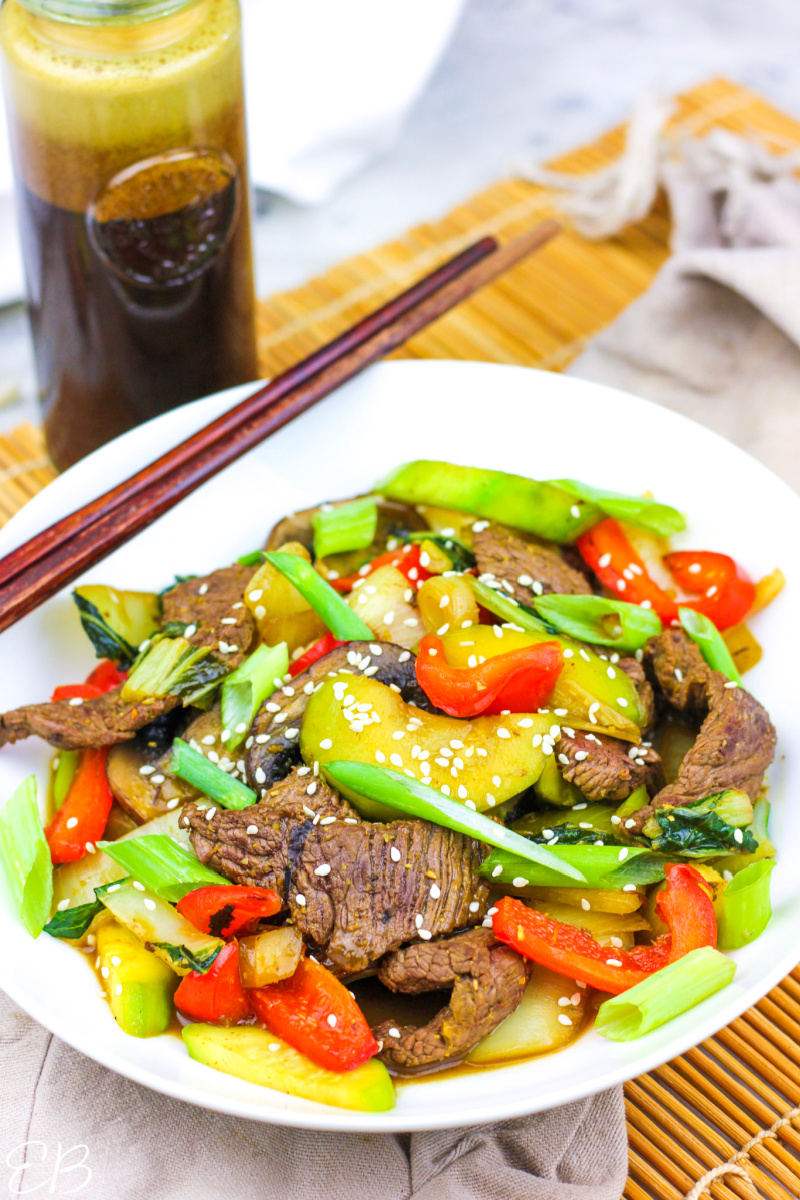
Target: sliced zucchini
<point>254,1054</point>
<point>160,927</point>
<point>138,985</point>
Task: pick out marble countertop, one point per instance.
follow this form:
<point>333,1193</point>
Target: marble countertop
<point>521,77</point>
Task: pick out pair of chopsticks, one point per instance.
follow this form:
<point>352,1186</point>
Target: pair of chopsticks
<point>55,557</point>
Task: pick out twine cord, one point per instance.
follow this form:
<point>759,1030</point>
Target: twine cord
<point>732,1166</point>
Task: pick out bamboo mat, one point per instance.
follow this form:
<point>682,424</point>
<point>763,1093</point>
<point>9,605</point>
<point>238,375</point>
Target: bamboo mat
<point>733,1103</point>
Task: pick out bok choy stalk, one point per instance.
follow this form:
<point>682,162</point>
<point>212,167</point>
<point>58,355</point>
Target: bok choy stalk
<point>162,865</point>
<point>327,603</point>
<point>163,930</point>
<point>345,527</point>
<point>172,666</point>
<point>194,768</point>
<point>708,638</point>
<point>246,689</point>
<point>743,909</point>
<point>640,511</point>
<point>544,509</point>
<point>599,621</point>
<point>606,867</point>
<point>414,799</point>
<point>665,994</point>
<point>26,857</point>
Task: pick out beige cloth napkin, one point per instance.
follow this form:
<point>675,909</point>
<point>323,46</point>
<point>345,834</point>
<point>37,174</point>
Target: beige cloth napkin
<point>717,336</point>
<point>84,1131</point>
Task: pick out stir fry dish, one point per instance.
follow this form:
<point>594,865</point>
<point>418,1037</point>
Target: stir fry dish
<point>444,775</point>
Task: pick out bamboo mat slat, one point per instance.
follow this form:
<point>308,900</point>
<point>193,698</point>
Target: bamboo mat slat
<point>733,1103</point>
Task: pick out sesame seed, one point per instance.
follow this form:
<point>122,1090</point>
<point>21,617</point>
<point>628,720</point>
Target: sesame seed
<point>326,744</point>
<point>738,836</point>
<point>116,886</point>
<point>519,881</point>
<point>548,833</point>
<point>425,934</point>
<point>435,891</point>
<point>331,1019</point>
<point>191,630</point>
<point>503,733</point>
<point>62,904</point>
<point>730,684</point>
<point>564,1019</point>
<point>72,822</point>
<point>616,942</point>
<point>629,887</point>
<point>445,789</point>
<point>585,905</point>
<point>118,986</point>
<point>498,870</point>
<point>149,904</point>
<point>394,854</point>
<point>604,560</point>
<point>324,869</point>
<point>562,758</point>
<point>312,787</point>
<point>300,899</point>
<point>564,1001</point>
<point>404,657</point>
<point>395,760</point>
<point>580,755</point>
<point>393,1032</point>
<point>575,511</point>
<point>474,906</point>
<point>613,962</point>
<point>251,829</point>
<point>380,756</point>
<point>398,735</point>
<point>623,854</point>
<point>157,779</point>
<point>256,595</point>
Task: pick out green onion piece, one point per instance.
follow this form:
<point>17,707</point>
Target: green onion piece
<point>254,559</point>
<point>73,923</point>
<point>63,776</point>
<point>172,666</point>
<point>600,621</point>
<point>194,768</point>
<point>415,799</point>
<point>26,857</point>
<point>327,603</point>
<point>506,607</point>
<point>600,866</point>
<point>640,511</point>
<point>708,638</point>
<point>744,909</point>
<point>544,509</point>
<point>666,994</point>
<point>161,865</point>
<point>345,527</point>
<point>249,686</point>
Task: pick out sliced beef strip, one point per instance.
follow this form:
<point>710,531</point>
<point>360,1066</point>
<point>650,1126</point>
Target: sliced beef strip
<point>736,742</point>
<point>371,901</point>
<point>101,721</point>
<point>604,768</point>
<point>271,754</point>
<point>488,980</point>
<point>367,903</point>
<point>515,558</point>
<point>209,603</point>
<point>636,673</point>
<point>284,818</point>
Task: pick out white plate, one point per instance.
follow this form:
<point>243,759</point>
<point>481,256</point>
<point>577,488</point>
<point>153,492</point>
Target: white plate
<point>530,422</point>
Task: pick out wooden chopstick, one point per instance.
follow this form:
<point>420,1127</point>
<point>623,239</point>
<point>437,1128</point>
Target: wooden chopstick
<point>37,582</point>
<point>49,539</point>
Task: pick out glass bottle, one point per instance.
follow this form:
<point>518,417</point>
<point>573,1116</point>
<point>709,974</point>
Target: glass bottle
<point>128,138</point>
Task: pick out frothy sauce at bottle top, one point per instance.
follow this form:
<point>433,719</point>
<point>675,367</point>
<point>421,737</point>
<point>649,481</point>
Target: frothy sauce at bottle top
<point>85,102</point>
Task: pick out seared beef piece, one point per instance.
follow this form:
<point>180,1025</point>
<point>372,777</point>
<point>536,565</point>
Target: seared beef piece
<point>284,818</point>
<point>278,754</point>
<point>488,980</point>
<point>393,517</point>
<point>509,555</point>
<point>636,673</point>
<point>367,903</point>
<point>223,599</point>
<point>101,721</point>
<point>736,742</point>
<point>605,768</point>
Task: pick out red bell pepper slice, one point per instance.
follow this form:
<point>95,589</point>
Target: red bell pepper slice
<point>318,650</point>
<point>316,1014</point>
<point>405,558</point>
<point>226,910</point>
<point>80,821</point>
<point>728,593</point>
<point>216,996</point>
<point>684,905</point>
<point>520,681</point>
<point>619,568</point>
<point>104,678</point>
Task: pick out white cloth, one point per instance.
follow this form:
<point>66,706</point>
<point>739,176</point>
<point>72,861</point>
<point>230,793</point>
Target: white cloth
<point>328,84</point>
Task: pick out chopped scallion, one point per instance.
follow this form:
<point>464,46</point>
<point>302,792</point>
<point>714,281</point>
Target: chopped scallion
<point>640,511</point>
<point>505,607</point>
<point>665,994</point>
<point>606,867</point>
<point>744,909</point>
<point>708,638</point>
<point>161,865</point>
<point>248,687</point>
<point>26,857</point>
<point>327,603</point>
<point>194,768</point>
<point>415,799</point>
<point>63,776</point>
<point>342,527</point>
<point>600,621</point>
